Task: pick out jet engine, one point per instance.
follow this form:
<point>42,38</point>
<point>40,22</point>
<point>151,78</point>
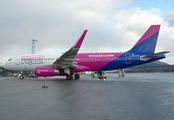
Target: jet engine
<point>45,71</point>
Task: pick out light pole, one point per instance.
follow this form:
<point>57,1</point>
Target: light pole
<point>33,45</point>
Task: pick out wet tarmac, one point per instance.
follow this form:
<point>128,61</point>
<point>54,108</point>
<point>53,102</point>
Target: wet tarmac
<point>140,96</point>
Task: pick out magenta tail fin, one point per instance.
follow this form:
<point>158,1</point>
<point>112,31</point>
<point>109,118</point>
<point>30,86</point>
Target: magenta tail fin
<point>147,42</point>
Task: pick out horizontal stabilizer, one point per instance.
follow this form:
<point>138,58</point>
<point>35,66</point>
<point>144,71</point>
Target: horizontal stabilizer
<point>147,57</point>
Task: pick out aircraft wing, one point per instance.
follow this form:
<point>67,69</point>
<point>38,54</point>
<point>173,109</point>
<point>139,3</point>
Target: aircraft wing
<point>66,60</point>
<point>147,57</point>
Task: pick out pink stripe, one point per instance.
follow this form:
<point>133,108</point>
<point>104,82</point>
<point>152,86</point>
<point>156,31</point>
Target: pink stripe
<point>152,30</point>
<point>93,63</point>
<point>78,44</point>
<point>80,68</point>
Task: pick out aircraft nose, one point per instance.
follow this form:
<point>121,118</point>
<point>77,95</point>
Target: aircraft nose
<point>4,65</point>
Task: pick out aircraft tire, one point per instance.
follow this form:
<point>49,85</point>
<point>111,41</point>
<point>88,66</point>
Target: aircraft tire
<point>76,76</point>
<point>21,77</point>
<point>69,77</point>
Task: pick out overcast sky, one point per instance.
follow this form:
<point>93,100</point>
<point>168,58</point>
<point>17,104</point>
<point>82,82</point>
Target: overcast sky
<point>113,25</point>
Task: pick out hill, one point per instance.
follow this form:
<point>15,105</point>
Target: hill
<point>156,66</point>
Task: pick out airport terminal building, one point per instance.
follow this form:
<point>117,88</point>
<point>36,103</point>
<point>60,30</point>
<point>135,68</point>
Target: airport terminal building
<point>4,72</point>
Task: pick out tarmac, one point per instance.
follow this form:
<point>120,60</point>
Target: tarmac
<point>138,96</point>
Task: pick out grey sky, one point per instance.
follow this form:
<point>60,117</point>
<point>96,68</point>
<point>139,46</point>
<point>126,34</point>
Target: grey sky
<point>113,25</point>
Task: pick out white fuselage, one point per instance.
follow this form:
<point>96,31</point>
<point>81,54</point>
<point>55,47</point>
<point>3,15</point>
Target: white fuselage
<point>28,62</point>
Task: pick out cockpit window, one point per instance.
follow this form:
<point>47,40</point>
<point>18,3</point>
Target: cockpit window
<point>10,59</point>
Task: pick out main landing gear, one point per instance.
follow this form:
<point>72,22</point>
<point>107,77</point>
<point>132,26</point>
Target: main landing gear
<point>70,77</point>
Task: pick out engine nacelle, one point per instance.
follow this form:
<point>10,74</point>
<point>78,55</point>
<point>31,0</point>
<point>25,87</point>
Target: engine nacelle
<point>45,71</point>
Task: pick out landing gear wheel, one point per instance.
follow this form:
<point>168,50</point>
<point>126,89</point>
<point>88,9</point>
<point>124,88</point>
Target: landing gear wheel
<point>76,76</point>
<point>69,77</point>
<point>21,77</point>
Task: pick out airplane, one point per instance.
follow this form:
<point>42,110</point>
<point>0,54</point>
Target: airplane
<point>72,62</point>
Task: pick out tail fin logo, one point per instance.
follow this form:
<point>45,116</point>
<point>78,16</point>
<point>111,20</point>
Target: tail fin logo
<point>147,42</point>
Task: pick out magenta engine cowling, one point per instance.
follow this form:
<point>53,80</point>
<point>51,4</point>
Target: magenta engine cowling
<point>45,71</point>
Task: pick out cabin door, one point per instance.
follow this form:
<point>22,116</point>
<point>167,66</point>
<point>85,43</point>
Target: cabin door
<point>127,58</point>
<point>17,61</point>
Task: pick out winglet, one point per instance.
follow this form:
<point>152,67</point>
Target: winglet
<point>69,56</point>
<point>79,42</point>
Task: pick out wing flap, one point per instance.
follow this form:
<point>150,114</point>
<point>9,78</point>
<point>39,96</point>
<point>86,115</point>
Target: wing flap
<point>68,59</point>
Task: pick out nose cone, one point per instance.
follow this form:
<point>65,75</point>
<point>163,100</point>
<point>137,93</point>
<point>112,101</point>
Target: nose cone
<point>4,65</point>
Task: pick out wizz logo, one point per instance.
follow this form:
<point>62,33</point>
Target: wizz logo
<point>32,59</point>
